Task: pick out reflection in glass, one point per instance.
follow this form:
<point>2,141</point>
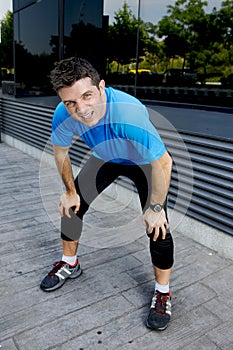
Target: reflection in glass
<point>46,31</point>
<point>34,55</point>
<point>84,31</point>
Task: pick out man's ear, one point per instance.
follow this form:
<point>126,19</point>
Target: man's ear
<point>101,86</point>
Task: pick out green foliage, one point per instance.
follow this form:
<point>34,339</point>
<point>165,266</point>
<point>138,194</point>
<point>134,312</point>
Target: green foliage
<point>122,37</point>
<point>203,40</point>
<point>190,37</point>
<point>122,34</point>
<point>183,28</point>
<point>6,45</point>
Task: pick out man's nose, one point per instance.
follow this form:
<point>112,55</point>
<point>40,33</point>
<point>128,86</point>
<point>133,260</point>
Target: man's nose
<point>80,106</point>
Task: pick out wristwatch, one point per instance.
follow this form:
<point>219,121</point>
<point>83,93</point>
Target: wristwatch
<point>156,207</point>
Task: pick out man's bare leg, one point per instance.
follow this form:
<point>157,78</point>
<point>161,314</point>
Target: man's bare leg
<point>70,247</point>
<point>162,276</point>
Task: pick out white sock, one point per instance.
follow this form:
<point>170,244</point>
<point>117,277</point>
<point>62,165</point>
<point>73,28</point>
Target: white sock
<point>162,288</point>
<point>71,260</point>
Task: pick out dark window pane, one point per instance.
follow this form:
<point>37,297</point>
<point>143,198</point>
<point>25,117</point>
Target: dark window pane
<point>49,30</point>
<point>36,32</point>
<point>83,32</point>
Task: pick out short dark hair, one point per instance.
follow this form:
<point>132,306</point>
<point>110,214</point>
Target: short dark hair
<point>69,70</point>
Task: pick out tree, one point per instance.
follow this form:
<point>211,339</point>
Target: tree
<point>215,40</point>
<point>122,34</point>
<point>226,25</point>
<point>122,37</point>
<point>182,28</point>
<point>225,17</point>
<point>6,45</point>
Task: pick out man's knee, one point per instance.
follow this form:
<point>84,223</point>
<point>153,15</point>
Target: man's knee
<point>162,251</point>
<point>71,228</point>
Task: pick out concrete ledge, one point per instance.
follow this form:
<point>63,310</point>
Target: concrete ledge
<point>22,146</point>
<point>204,234</point>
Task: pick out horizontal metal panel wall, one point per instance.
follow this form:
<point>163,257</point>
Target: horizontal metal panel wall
<point>209,175</point>
<point>32,124</point>
<point>210,163</point>
<point>0,117</point>
<point>28,123</point>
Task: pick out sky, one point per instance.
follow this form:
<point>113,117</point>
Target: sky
<point>151,10</point>
<point>5,5</point>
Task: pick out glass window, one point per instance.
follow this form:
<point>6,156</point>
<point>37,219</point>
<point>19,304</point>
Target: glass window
<point>20,4</point>
<point>36,36</point>
<point>83,31</point>
<point>133,48</point>
<point>48,30</point>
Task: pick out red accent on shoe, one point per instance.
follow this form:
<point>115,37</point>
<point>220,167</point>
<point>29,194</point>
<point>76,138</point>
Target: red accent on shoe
<point>75,264</point>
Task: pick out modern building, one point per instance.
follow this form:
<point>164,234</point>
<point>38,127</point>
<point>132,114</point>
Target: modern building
<point>46,31</point>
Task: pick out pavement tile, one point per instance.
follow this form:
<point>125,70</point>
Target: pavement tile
<point>106,308</point>
<point>8,345</point>
<point>76,322</point>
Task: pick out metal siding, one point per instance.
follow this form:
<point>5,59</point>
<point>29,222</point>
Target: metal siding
<point>212,195</point>
<point>211,158</point>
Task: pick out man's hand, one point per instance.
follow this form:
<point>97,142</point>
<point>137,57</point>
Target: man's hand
<point>157,221</point>
<point>68,201</point>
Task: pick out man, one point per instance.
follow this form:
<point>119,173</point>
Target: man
<point>124,142</point>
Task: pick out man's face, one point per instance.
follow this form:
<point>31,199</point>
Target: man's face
<point>84,101</point>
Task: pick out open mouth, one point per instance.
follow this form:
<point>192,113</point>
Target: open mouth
<point>87,116</point>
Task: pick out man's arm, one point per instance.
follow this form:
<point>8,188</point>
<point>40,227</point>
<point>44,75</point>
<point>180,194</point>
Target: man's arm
<point>160,182</point>
<point>69,198</point>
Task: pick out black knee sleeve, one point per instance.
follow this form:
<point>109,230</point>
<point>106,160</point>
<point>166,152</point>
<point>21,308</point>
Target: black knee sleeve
<point>71,228</point>
<point>162,251</point>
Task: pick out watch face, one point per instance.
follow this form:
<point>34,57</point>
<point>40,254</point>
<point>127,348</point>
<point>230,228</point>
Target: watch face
<point>157,208</point>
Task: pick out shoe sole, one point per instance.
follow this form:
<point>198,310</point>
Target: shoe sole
<point>156,329</point>
<point>60,284</point>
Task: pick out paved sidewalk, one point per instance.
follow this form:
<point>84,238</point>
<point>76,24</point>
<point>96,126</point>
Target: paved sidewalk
<point>104,309</point>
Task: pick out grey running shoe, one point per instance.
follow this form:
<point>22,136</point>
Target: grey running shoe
<point>160,311</point>
<point>60,272</point>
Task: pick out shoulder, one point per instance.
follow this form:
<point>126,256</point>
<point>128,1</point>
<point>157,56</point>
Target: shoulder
<point>61,111</point>
<point>123,102</point>
<point>125,108</point>
<point>61,117</point>
<point>60,114</point>
<point>115,95</point>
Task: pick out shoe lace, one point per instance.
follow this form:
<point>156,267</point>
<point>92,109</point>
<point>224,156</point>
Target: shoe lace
<point>56,266</point>
<point>159,303</point>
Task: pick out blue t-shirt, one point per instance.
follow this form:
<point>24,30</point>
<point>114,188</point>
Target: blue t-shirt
<point>124,135</point>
